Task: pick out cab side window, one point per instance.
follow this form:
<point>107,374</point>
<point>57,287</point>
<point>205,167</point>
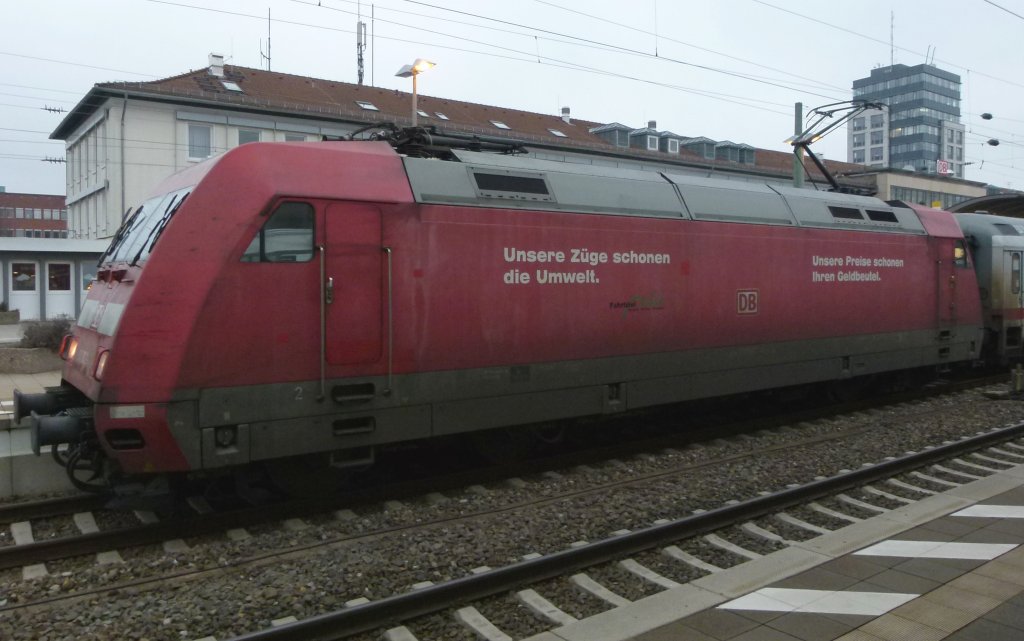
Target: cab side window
<point>286,237</point>
<point>960,254</point>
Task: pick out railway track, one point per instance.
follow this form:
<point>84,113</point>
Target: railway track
<point>201,520</point>
<point>459,594</point>
<point>408,521</point>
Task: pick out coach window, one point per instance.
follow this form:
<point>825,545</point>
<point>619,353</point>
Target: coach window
<point>286,237</point>
<point>1015,275</point>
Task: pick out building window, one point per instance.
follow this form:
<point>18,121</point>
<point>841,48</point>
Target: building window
<point>422,113</point>
<point>673,146</point>
<point>58,277</point>
<point>441,115</point>
<point>876,153</point>
<point>499,124</point>
<point>652,143</point>
<point>23,277</point>
<point>877,121</point>
<point>949,136</point>
<point>558,133</point>
<point>369,106</point>
<point>198,142</point>
<point>858,156</point>
<point>959,137</point>
<point>295,137</point>
<point>876,137</point>
<point>949,152</point>
<point>248,135</point>
<point>858,124</point>
<point>858,140</point>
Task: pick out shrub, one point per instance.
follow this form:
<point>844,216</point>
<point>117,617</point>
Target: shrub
<point>46,334</point>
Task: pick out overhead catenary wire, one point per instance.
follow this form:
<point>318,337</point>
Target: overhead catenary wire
<point>530,56</point>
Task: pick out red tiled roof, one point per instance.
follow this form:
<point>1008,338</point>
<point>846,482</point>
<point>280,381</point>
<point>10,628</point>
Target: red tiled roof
<point>301,96</point>
<point>326,98</point>
<point>34,201</point>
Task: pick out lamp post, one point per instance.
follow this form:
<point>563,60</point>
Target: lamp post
<point>414,70</point>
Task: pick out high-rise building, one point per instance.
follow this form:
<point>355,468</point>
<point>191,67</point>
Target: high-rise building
<point>919,130</point>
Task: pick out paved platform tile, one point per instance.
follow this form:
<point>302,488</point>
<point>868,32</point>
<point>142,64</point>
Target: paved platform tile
<point>812,627</point>
<point>937,550</point>
<point>896,627</point>
<point>993,511</point>
<point>819,601</point>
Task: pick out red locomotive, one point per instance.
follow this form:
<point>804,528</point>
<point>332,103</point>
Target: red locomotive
<point>290,299</point>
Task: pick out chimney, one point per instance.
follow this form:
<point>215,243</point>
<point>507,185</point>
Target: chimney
<point>652,124</point>
<point>217,65</point>
<point>565,115</point>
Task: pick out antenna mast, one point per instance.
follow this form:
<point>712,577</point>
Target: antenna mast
<point>360,41</point>
<point>266,56</point>
<point>892,38</point>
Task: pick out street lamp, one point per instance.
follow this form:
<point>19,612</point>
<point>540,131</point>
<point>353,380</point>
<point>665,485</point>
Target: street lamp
<point>414,70</point>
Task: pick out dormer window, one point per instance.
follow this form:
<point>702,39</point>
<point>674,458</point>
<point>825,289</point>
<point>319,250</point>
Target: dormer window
<point>673,146</point>
<point>555,132</point>
<point>499,124</point>
<point>369,106</point>
<point>652,143</point>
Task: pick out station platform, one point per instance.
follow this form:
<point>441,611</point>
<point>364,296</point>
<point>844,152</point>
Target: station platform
<point>22,473</point>
<point>948,567</point>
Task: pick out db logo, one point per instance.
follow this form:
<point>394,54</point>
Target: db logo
<point>746,301</point>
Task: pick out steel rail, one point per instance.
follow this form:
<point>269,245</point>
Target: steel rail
<point>12,556</point>
<point>65,547</point>
<point>45,508</point>
<point>428,600</point>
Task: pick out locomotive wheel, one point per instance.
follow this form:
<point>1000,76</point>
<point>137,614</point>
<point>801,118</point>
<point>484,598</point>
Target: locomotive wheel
<point>551,434</point>
<point>504,446</point>
<point>304,476</point>
<point>850,389</point>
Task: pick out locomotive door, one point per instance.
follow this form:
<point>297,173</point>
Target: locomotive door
<point>1012,298</point>
<point>946,286</point>
<point>354,283</point>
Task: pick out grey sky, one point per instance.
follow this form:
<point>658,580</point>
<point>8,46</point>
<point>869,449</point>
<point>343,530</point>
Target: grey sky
<point>728,69</point>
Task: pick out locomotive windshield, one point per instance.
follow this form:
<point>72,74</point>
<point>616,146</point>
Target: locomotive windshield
<point>140,230</point>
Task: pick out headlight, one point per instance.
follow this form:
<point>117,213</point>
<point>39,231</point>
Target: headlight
<point>101,364</point>
<point>65,344</point>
